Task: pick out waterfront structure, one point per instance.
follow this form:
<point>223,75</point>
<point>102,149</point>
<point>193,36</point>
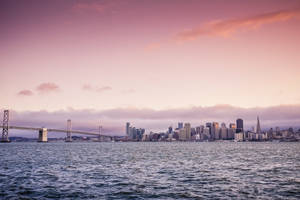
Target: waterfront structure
<point>240,125</point>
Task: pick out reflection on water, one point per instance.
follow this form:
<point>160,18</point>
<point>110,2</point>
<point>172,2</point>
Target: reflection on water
<point>150,170</point>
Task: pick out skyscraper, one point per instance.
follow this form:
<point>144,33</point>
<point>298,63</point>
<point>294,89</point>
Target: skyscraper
<point>180,125</point>
<point>232,125</point>
<point>224,133</point>
<point>215,132</point>
<point>187,128</point>
<point>170,129</point>
<point>223,125</point>
<point>240,125</point>
<point>208,125</point>
<point>127,128</point>
<point>258,130</point>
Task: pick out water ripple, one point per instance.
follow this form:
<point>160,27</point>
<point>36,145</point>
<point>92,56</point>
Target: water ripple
<point>150,171</point>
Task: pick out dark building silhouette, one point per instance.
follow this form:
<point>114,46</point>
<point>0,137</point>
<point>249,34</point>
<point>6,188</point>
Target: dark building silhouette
<point>239,125</point>
<point>170,129</point>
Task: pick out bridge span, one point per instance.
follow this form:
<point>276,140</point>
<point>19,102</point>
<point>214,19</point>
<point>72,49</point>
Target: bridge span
<point>43,132</point>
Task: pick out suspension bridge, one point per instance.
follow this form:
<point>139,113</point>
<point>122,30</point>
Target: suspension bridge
<point>43,132</point>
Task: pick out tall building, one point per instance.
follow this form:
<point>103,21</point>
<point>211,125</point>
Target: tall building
<point>224,133</point>
<point>193,132</point>
<point>258,129</point>
<point>240,125</point>
<point>187,128</point>
<point>232,125</point>
<point>230,133</point>
<point>170,129</point>
<point>134,133</point>
<point>180,125</point>
<point>199,129</point>
<point>127,128</point>
<point>182,134</point>
<point>206,133</point>
<point>215,130</point>
<point>223,125</point>
<point>208,124</point>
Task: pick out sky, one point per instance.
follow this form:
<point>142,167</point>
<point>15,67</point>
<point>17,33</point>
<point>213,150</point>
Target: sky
<point>69,59</point>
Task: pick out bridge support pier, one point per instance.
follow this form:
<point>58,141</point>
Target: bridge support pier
<point>43,135</point>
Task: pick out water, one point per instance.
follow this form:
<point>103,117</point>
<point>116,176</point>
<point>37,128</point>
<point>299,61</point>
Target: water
<point>150,170</point>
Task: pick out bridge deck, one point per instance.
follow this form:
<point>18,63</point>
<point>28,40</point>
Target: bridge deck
<point>55,130</point>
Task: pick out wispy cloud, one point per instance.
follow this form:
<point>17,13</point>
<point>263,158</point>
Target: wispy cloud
<point>88,87</point>
<point>45,88</point>
<point>25,93</point>
<point>226,28</point>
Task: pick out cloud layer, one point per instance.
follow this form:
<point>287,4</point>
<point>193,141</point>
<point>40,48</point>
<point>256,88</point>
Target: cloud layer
<point>45,88</point>
<point>113,120</point>
<point>25,93</point>
<point>226,28</point>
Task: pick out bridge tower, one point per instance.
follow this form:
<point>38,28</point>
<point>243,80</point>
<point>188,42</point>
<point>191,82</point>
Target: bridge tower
<point>69,130</point>
<point>5,126</point>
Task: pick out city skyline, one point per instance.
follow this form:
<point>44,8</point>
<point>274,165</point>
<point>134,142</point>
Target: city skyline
<point>212,131</point>
<point>89,121</point>
<point>151,63</point>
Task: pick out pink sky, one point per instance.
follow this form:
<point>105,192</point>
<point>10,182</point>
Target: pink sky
<point>169,54</point>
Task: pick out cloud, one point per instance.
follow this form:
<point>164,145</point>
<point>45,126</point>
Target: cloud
<point>113,120</point>
<point>88,87</point>
<point>45,88</point>
<point>25,93</point>
<point>226,28</point>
